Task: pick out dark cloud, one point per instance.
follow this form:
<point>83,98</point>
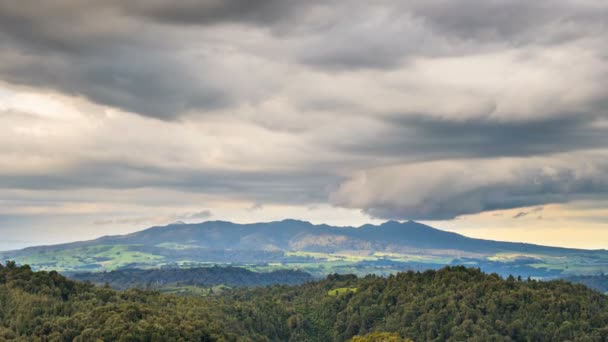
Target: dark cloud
<point>419,137</point>
<point>127,54</point>
<point>167,59</point>
<point>142,82</point>
<point>481,199</point>
<point>529,212</point>
<point>445,190</point>
<point>368,38</point>
<point>512,21</point>
<point>520,214</point>
<point>386,34</point>
<point>207,12</point>
<point>111,58</point>
<point>261,186</point>
<point>351,56</point>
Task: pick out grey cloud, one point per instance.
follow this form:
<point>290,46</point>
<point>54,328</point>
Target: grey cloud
<point>201,215</point>
<point>258,12</point>
<point>163,59</point>
<point>111,59</point>
<point>526,213</point>
<point>520,214</point>
<point>156,85</point>
<point>102,222</point>
<point>445,190</point>
<point>468,19</point>
<point>364,39</point>
<point>261,186</point>
<point>256,206</point>
<point>130,54</point>
<point>418,137</point>
<point>513,21</point>
<point>352,57</point>
<point>130,220</point>
<point>386,34</point>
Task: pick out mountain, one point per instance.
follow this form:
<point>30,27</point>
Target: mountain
<point>319,249</point>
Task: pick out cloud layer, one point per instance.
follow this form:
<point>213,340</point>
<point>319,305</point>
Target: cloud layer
<point>447,189</point>
<point>404,110</point>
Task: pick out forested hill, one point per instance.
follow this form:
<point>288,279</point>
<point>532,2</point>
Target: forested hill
<point>200,276</point>
<point>451,304</point>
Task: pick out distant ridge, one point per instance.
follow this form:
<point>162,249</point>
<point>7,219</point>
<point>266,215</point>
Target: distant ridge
<point>390,245</point>
<point>285,234</point>
<point>199,276</point>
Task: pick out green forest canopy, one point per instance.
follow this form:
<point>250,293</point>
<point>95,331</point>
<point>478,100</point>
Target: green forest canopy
<point>453,304</point>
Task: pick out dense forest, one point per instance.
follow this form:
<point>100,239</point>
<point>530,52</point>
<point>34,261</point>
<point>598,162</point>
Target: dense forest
<point>453,304</point>
<point>198,276</point>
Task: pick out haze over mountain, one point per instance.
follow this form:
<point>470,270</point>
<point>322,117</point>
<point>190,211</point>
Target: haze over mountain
<point>318,248</point>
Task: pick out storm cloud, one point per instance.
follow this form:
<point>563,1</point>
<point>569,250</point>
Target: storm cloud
<point>447,189</point>
<point>404,110</point>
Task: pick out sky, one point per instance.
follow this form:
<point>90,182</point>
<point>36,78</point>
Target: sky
<point>488,118</point>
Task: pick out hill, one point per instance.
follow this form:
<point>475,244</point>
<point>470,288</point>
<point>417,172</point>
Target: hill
<point>597,282</point>
<point>451,304</point>
<point>199,276</point>
<point>319,249</point>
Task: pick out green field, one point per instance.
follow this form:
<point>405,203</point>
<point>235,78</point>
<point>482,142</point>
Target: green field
<point>88,258</point>
<point>112,257</point>
<point>173,245</point>
<point>373,256</point>
<point>341,290</point>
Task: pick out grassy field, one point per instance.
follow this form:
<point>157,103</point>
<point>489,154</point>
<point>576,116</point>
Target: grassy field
<point>111,257</point>
<point>89,258</point>
<point>573,264</point>
<point>173,245</point>
<point>373,256</point>
<point>341,290</point>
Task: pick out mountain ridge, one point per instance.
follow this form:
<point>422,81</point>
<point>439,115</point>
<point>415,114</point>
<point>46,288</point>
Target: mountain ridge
<point>365,228</point>
<point>390,246</point>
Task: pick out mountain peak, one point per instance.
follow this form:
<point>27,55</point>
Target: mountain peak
<point>295,221</point>
<point>391,222</point>
<point>406,224</point>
